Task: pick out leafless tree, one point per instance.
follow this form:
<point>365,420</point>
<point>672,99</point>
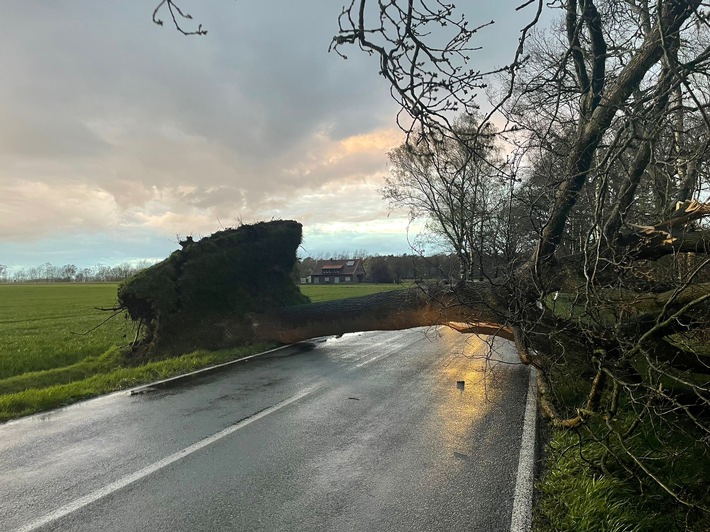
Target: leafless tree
<point>457,183</point>
<point>609,109</point>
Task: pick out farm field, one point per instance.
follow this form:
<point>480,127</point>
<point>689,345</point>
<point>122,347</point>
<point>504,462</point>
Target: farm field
<point>321,292</point>
<point>52,353</point>
<point>54,349</point>
<point>45,326</point>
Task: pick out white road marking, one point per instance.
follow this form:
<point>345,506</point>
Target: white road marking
<point>521,520</point>
<point>370,360</point>
<point>149,470</point>
<point>391,349</point>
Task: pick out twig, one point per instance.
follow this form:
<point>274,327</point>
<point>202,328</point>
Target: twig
<point>100,324</point>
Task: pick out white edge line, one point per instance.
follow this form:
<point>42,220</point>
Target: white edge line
<point>132,391</point>
<point>521,519</point>
<point>148,470</point>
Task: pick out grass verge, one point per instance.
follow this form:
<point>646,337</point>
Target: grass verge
<point>589,482</point>
<point>574,495</point>
<point>46,391</point>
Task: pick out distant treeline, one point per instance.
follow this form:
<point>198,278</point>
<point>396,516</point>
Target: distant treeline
<point>395,268</point>
<point>69,273</point>
<point>379,269</point>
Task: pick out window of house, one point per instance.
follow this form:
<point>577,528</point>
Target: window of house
<point>347,279</point>
<point>326,279</point>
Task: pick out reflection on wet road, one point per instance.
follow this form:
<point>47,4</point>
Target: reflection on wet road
<point>404,430</point>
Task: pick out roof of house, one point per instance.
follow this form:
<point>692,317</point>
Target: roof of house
<point>337,267</point>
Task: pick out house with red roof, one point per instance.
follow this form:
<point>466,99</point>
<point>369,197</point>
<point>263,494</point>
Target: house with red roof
<point>337,271</point>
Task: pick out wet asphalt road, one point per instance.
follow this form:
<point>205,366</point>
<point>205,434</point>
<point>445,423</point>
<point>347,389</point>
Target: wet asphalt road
<point>365,432</point>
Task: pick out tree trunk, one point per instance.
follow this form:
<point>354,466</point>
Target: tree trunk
<point>469,309</point>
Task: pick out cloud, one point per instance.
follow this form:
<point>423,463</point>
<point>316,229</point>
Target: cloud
<point>32,209</point>
<point>118,133</point>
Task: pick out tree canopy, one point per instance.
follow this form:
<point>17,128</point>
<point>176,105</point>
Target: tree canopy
<point>604,117</point>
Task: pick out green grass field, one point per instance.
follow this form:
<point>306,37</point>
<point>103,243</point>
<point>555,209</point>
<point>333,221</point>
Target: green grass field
<point>44,326</point>
<point>52,353</point>
<point>340,291</point>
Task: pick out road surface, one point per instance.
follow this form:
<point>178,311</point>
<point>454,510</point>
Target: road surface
<point>405,430</point>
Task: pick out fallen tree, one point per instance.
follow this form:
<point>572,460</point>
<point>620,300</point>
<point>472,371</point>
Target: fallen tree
<point>237,287</point>
<point>607,292</point>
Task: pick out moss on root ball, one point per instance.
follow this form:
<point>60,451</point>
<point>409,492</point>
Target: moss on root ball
<point>201,296</point>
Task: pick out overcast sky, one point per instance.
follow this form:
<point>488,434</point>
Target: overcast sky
<point>116,135</point>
